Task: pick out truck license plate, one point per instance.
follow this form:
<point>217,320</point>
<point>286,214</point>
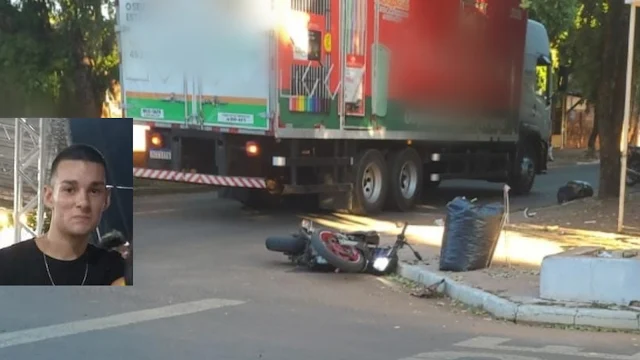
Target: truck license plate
<point>235,119</point>
<point>160,154</point>
<point>152,113</point>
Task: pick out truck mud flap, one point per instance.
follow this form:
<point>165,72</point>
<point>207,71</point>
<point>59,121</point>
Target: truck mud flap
<point>202,179</point>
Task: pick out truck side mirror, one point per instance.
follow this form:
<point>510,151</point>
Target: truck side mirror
<point>563,78</point>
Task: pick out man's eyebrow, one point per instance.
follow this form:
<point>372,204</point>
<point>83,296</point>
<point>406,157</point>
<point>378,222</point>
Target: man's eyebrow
<point>75,183</point>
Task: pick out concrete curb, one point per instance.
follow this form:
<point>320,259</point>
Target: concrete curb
<point>509,310</point>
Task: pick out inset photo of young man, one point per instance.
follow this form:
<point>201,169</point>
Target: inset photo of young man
<point>84,235</point>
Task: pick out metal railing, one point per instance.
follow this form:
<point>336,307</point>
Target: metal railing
<point>27,148</point>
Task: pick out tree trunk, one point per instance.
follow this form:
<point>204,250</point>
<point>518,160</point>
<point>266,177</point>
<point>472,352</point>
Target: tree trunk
<point>85,94</point>
<point>634,121</point>
<point>611,96</point>
<point>591,145</point>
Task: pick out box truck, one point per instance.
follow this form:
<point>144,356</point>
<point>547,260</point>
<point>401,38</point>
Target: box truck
<point>361,104</point>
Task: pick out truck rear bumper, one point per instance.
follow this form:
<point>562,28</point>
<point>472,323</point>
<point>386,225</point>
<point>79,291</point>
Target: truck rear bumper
<point>203,179</point>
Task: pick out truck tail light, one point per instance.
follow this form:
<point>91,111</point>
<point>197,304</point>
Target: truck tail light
<point>157,140</point>
<point>252,148</point>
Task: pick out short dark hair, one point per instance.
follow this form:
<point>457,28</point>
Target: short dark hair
<point>78,152</point>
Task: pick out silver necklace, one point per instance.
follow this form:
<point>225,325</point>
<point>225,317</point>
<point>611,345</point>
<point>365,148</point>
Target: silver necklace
<point>46,264</point>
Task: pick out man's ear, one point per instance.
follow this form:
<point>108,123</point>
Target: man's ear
<point>107,201</point>
<point>48,196</point>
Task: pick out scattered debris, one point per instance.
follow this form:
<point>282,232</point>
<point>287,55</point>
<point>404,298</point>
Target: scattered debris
<point>574,190</point>
<point>585,220</point>
<point>528,214</point>
<point>428,292</point>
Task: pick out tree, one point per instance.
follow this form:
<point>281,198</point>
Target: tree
<point>594,44</point>
<point>611,95</point>
<point>56,56</point>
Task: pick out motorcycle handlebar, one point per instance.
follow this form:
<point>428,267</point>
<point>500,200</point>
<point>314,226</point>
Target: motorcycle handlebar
<point>404,229</point>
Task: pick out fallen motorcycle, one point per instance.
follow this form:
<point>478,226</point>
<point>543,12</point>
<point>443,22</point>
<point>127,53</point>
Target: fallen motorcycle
<point>353,252</point>
<point>633,166</point>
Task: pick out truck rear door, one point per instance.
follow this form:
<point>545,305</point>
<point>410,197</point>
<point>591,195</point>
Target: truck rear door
<point>196,62</point>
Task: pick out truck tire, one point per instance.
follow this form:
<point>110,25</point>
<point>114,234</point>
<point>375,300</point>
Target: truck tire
<point>256,199</point>
<point>405,179</point>
<point>370,182</point>
<point>523,173</point>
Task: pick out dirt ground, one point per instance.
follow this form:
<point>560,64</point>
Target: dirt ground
<point>585,220</point>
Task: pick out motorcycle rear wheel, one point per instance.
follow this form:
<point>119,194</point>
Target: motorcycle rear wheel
<point>294,245</point>
<point>345,258</point>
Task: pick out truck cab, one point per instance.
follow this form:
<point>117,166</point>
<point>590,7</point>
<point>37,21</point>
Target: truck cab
<point>535,110</point>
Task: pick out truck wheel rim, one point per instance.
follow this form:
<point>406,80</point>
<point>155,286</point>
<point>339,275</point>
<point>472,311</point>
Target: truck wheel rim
<point>372,183</point>
<point>408,180</point>
<point>527,169</point>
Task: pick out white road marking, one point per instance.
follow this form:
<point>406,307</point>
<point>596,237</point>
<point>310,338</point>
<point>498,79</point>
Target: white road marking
<point>388,283</point>
<point>455,355</point>
<point>159,211</point>
<point>495,344</point>
<point>77,327</point>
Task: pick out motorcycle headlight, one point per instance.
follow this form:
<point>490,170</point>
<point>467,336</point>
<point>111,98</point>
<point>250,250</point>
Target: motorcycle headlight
<point>381,263</point>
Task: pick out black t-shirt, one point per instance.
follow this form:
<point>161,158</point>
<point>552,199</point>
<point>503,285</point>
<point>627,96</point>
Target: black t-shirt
<point>24,264</point>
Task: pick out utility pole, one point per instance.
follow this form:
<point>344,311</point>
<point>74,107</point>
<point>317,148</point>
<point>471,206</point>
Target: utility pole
<point>624,139</point>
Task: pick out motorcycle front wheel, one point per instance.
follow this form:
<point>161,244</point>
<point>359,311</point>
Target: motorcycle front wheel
<point>345,258</point>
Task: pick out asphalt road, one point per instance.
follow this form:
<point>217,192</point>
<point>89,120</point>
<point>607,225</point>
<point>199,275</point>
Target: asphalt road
<point>206,288</point>
<point>543,192</point>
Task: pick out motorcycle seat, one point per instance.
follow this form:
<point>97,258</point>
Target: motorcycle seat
<point>369,237</point>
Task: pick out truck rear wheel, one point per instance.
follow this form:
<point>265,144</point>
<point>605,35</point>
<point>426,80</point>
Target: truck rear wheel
<point>524,171</point>
<point>405,179</point>
<point>257,199</point>
<point>370,182</point>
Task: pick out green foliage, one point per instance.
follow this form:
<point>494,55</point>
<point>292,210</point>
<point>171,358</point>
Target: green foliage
<point>578,30</point>
<point>45,49</point>
<point>575,32</point>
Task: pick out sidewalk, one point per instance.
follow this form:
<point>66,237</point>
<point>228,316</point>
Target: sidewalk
<point>510,288</point>
<point>569,157</point>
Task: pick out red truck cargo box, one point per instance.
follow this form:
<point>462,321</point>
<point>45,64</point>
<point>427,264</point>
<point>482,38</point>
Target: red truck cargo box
<point>457,55</point>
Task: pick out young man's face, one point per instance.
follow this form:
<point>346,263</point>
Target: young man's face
<point>77,197</point>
